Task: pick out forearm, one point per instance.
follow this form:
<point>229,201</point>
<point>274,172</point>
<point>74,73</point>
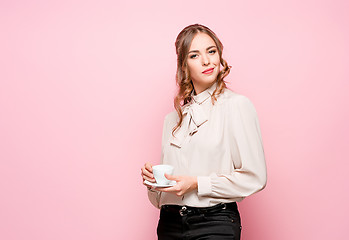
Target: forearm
<point>236,185</point>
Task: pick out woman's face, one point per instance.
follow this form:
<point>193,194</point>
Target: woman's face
<point>203,62</point>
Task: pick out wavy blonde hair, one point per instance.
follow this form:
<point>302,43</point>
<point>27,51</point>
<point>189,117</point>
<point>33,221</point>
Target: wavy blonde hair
<point>184,83</point>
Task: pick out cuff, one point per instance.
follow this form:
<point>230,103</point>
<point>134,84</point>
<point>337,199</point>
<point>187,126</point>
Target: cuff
<point>204,186</point>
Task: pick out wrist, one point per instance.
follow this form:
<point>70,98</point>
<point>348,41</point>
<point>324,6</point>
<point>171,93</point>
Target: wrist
<point>195,182</point>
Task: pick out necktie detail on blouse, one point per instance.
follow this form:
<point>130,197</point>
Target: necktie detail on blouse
<point>194,116</point>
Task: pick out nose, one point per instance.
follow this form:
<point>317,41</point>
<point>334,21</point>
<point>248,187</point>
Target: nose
<point>205,60</point>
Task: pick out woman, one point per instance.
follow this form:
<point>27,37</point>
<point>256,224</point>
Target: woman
<point>214,142</point>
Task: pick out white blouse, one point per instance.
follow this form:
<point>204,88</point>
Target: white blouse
<point>219,143</point>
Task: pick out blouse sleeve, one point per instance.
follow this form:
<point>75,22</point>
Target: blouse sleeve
<point>153,195</point>
<point>248,163</point>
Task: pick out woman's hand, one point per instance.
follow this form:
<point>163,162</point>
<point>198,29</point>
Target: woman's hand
<point>147,173</point>
<point>184,185</point>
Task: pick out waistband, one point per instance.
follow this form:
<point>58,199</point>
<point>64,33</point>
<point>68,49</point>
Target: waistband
<point>185,210</point>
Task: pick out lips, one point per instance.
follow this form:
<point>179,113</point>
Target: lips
<point>209,70</point>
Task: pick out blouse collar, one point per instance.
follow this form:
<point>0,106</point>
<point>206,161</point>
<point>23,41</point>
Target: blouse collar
<point>204,95</point>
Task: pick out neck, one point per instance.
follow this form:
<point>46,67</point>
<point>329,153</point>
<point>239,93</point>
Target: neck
<point>200,88</point>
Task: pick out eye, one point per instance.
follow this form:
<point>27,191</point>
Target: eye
<point>213,51</point>
<point>193,56</point>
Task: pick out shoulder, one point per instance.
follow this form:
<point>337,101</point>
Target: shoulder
<point>232,97</point>
<point>237,102</point>
<point>171,117</point>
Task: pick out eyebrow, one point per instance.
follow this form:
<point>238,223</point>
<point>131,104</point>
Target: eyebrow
<point>198,50</point>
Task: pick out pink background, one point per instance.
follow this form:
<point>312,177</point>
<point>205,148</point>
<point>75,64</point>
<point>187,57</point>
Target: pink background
<point>85,86</point>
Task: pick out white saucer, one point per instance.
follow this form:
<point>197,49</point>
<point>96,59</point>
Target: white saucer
<point>172,183</point>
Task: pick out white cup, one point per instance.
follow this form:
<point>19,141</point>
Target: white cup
<point>159,173</point>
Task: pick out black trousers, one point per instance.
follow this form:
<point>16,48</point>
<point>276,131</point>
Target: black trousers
<point>219,222</point>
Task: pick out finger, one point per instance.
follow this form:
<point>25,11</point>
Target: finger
<point>149,179</point>
<point>149,167</point>
<point>147,173</point>
<point>169,177</point>
<point>172,177</point>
